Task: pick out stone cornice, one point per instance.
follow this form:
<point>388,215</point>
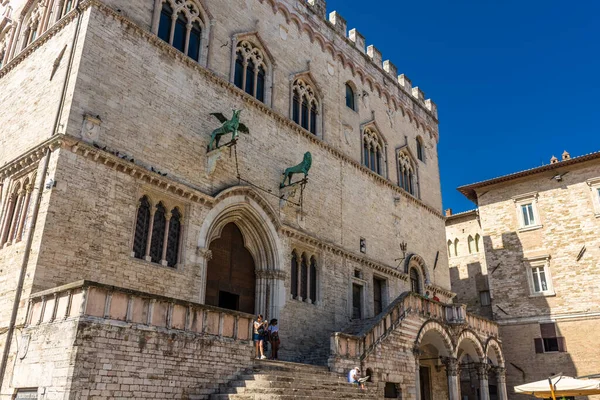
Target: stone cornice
<point>249,100</point>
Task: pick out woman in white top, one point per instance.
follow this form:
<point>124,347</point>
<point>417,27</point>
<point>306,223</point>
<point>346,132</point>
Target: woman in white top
<point>259,333</point>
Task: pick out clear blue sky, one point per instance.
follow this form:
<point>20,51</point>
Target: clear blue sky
<point>515,81</point>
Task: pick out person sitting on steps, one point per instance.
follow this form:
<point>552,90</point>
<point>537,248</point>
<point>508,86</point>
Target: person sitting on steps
<point>258,335</point>
<point>354,377</point>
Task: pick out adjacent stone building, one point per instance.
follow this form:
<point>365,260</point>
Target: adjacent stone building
<point>134,250</point>
<point>529,256</point>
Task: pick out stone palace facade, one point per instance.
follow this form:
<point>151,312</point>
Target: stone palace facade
<point>132,258</point>
<point>527,258</point>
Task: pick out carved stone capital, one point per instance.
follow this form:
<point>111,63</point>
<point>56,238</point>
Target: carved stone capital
<point>482,370</point>
<point>204,253</point>
<point>452,366</point>
<point>271,274</point>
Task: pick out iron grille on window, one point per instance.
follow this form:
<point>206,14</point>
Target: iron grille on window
<point>142,227</point>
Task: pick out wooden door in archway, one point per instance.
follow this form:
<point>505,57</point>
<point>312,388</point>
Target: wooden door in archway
<point>231,276</point>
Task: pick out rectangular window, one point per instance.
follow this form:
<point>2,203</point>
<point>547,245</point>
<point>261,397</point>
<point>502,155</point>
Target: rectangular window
<point>484,298</point>
<point>550,342</point>
<point>528,218</point>
<point>539,279</point>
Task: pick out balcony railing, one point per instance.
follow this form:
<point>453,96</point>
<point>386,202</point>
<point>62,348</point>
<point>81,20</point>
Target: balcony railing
<point>362,344</point>
<point>103,302</point>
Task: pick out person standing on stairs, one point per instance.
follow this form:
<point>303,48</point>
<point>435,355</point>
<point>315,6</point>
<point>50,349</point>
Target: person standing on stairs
<point>258,336</point>
<point>273,332</point>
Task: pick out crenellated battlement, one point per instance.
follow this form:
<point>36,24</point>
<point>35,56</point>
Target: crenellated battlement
<point>339,25</point>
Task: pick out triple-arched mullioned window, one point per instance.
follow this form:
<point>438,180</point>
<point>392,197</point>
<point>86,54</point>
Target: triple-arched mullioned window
<point>250,71</point>
<point>407,173</point>
<point>182,24</point>
<point>15,210</point>
<point>373,151</point>
<point>304,277</point>
<point>305,105</point>
<point>158,232</point>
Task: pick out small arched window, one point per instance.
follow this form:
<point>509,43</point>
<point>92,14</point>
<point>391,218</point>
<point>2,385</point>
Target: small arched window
<point>420,149</point>
<point>142,228</point>
<point>313,279</point>
<point>158,233</point>
<point>373,151</point>
<point>350,103</point>
<point>164,27</point>
<point>250,69</point>
<point>180,32</point>
<point>477,239</point>
<point>449,248</point>
<point>174,238</point>
<point>456,247</point>
<point>407,173</point>
<point>294,275</point>
<point>471,244</point>
<point>180,24</point>
<point>415,284</point>
<point>304,277</point>
<point>304,105</point>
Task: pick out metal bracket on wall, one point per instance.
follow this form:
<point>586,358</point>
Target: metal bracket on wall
<point>581,253</point>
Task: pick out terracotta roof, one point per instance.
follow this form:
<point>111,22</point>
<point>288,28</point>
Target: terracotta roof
<point>469,190</point>
<point>461,214</point>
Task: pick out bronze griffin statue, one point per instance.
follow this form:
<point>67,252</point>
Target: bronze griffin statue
<point>232,126</point>
<point>303,168</point>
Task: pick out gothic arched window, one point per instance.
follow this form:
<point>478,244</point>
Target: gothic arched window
<point>477,239</point>
<point>350,103</point>
<point>313,279</point>
<point>250,69</point>
<point>455,247</point>
<point>158,233</point>
<point>180,24</point>
<point>471,244</point>
<point>142,228</point>
<point>294,275</point>
<point>305,105</point>
<point>407,178</point>
<point>12,223</point>
<point>415,284</point>
<point>174,238</point>
<point>449,248</point>
<point>420,149</point>
<point>304,277</point>
<point>373,151</point>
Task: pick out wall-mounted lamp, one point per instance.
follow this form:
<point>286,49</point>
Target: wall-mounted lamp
<point>403,247</point>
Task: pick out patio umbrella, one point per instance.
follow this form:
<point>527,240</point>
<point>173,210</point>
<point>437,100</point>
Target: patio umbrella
<point>559,386</point>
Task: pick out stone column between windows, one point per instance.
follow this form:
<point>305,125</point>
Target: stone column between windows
<point>482,374</point>
<point>188,30</point>
<point>156,16</point>
<point>163,260</point>
<point>6,223</point>
<point>173,23</point>
<point>14,41</point>
<point>299,280</point>
<point>244,70</point>
<point>149,239</point>
<point>16,216</point>
<point>28,191</point>
<point>453,375</point>
<point>501,381</point>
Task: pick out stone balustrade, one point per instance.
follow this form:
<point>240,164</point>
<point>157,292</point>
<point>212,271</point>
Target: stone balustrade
<point>103,302</point>
<point>360,345</point>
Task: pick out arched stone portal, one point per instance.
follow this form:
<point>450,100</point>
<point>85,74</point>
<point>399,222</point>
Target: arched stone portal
<point>433,350</point>
<point>230,276</point>
<point>256,223</point>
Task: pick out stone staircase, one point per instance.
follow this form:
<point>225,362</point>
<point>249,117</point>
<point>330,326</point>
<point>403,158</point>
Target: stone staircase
<point>280,380</point>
